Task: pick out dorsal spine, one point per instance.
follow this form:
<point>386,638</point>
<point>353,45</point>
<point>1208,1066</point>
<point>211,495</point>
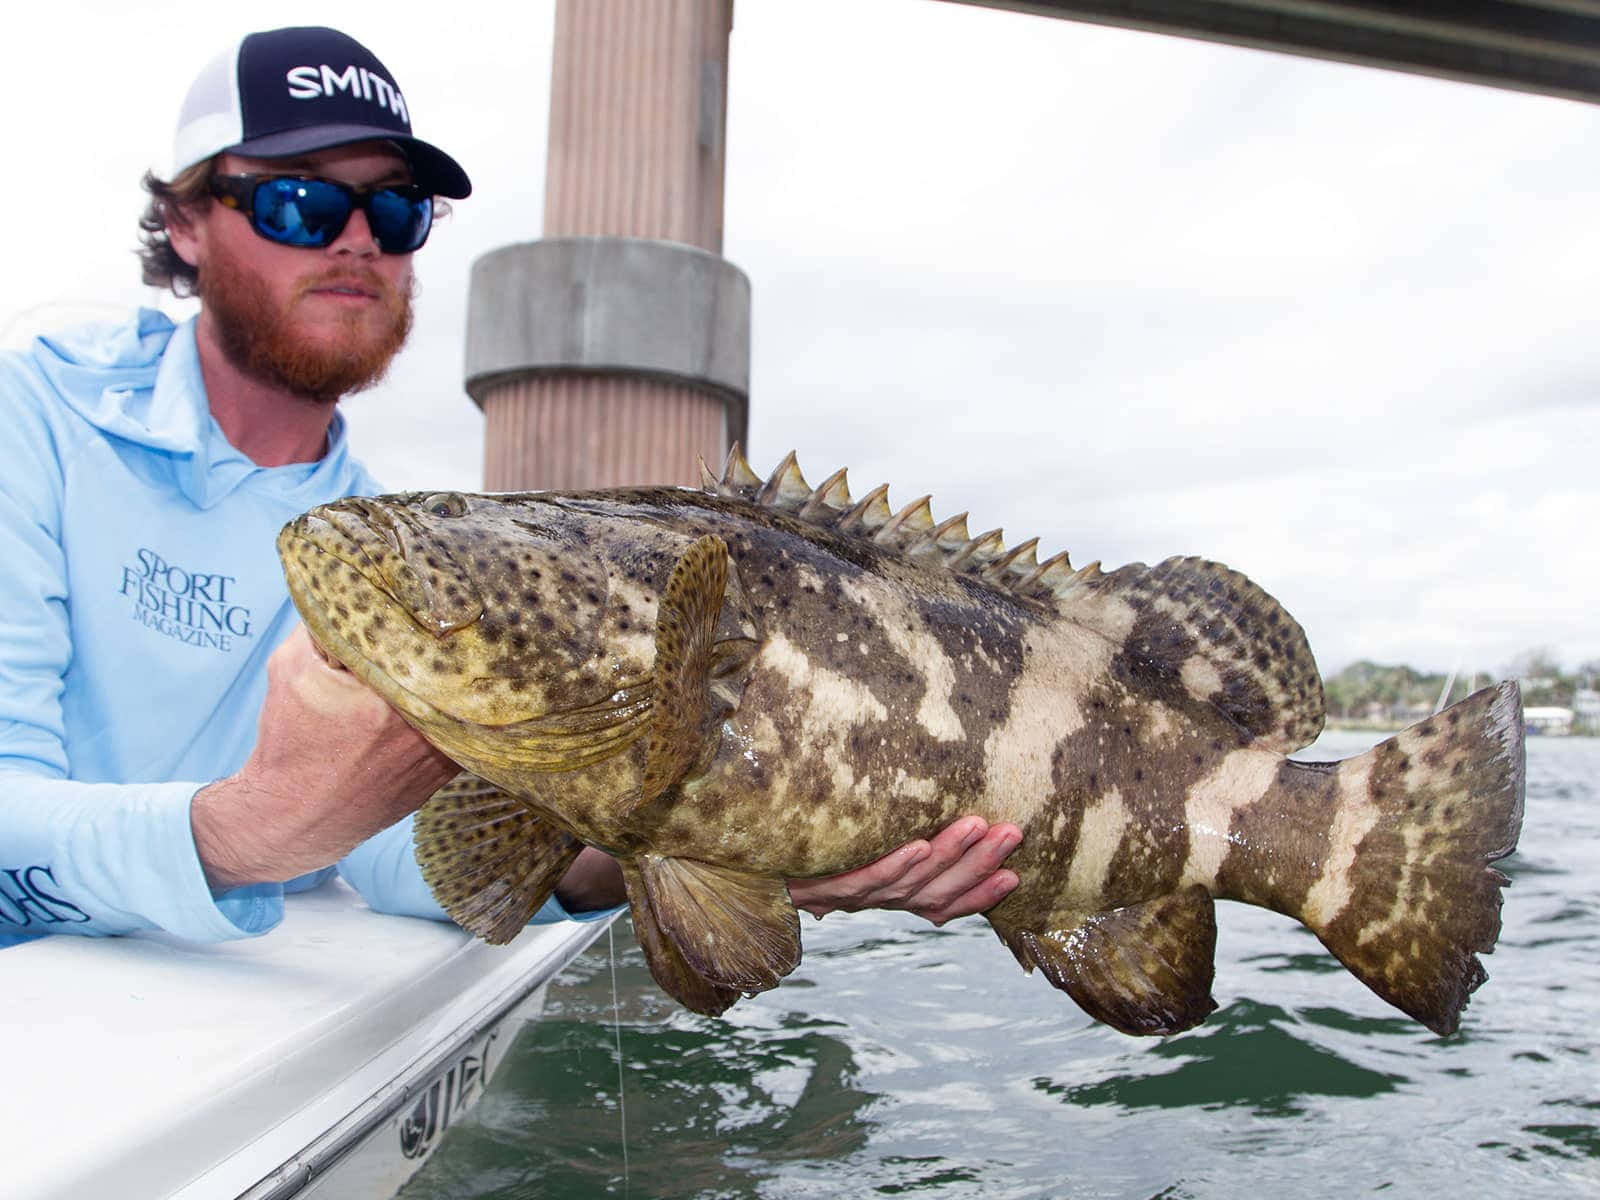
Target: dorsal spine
<point>912,531</point>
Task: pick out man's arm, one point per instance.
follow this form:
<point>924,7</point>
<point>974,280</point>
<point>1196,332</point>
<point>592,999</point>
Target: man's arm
<point>77,857</point>
<point>333,764</point>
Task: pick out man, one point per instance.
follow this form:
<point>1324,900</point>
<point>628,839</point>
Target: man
<point>172,748</point>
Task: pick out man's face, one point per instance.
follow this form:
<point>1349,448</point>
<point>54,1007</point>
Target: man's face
<point>318,323</point>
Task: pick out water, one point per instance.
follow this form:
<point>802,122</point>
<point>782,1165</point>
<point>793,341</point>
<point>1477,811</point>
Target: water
<point>900,1059</point>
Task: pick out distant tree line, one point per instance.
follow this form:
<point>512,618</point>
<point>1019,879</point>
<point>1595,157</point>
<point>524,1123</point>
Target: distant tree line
<point>1371,693</point>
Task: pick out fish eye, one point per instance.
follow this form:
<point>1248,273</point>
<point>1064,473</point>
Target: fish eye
<point>446,504</point>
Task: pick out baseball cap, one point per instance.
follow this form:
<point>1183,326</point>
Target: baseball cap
<point>288,91</point>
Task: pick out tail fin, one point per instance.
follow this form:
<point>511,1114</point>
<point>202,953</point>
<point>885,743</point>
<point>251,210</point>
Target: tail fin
<point>1407,899</point>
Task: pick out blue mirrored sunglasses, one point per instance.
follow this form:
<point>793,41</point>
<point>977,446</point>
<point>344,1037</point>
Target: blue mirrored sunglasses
<point>296,210</point>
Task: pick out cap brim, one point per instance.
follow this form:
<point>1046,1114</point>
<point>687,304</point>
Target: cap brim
<point>431,167</point>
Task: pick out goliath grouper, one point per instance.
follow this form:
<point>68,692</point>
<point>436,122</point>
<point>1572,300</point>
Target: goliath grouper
<point>761,680</point>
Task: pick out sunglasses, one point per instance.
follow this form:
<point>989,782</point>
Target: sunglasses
<point>296,210</point>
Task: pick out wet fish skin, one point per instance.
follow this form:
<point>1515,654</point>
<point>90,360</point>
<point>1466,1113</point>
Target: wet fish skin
<point>764,680</point>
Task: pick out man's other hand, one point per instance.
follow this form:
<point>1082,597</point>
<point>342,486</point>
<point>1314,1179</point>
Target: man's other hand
<point>954,875</point>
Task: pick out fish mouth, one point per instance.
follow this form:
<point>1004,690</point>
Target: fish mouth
<point>381,543</point>
<point>336,650</point>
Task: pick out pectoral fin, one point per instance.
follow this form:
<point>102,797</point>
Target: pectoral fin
<point>695,670</point>
<point>711,933</point>
<point>490,860</point>
<point>1143,969</point>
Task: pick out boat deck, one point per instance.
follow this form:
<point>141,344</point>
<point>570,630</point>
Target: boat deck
<point>146,1066</point>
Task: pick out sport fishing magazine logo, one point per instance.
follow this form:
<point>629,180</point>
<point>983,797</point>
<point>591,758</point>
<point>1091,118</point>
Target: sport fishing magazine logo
<point>192,607</point>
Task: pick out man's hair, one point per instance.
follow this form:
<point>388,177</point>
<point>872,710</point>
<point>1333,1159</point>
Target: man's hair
<point>171,200</point>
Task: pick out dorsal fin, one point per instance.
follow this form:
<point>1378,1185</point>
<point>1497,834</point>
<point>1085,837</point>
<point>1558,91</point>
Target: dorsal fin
<point>870,513</point>
<point>1200,626</point>
<point>938,542</point>
<point>912,531</point>
<point>952,533</point>
<point>737,477</point>
<point>829,501</point>
<point>978,552</point>
<point>1050,574</point>
<point>1186,623</point>
<point>1019,561</point>
<point>786,488</point>
<point>907,525</point>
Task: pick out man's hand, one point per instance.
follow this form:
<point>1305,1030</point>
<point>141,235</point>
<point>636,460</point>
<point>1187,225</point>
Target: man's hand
<point>333,764</point>
<point>954,875</point>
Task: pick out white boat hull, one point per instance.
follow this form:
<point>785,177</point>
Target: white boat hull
<point>325,1059</point>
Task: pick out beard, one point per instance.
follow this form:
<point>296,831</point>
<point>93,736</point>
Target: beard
<point>260,336</point>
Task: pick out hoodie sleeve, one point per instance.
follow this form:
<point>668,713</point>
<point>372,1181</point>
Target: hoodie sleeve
<point>86,858</point>
<point>384,870</point>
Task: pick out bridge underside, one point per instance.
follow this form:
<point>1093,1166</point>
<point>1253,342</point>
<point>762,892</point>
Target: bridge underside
<point>1546,46</point>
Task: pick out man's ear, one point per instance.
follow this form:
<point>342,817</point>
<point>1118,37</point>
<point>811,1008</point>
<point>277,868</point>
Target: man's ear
<point>186,234</point>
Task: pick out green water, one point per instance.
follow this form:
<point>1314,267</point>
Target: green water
<point>903,1060</point>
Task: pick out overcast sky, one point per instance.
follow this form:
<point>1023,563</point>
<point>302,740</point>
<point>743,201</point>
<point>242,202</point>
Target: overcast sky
<point>1135,295</point>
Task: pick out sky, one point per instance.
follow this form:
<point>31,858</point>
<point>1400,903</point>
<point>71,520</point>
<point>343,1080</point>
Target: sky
<point>1134,295</point>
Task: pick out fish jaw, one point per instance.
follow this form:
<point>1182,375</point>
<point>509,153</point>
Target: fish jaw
<point>421,607</point>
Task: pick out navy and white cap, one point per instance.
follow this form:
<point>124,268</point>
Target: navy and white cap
<point>289,91</point>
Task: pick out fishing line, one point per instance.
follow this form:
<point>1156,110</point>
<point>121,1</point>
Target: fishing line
<point>616,1025</point>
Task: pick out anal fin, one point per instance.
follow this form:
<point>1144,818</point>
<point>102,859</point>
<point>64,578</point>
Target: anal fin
<point>711,934</point>
<point>490,860</point>
<point>1143,969</point>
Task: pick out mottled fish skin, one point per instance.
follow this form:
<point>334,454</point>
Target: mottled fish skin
<point>763,680</point>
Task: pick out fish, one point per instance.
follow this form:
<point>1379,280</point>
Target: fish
<point>758,680</point>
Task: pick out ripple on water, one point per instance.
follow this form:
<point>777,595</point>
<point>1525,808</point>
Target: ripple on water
<point>1246,1056</point>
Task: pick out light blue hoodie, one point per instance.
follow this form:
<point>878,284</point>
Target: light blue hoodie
<point>140,595</point>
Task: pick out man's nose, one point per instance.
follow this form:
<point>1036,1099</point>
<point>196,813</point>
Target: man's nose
<point>355,238</point>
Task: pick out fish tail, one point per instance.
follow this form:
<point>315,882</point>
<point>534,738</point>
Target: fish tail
<point>1405,897</point>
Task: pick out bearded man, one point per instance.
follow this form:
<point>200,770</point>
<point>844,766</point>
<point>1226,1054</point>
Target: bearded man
<point>174,754</point>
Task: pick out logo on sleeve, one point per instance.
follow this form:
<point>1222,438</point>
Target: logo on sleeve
<point>27,897</point>
<point>193,607</point>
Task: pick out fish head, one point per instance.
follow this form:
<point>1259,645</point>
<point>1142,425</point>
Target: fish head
<point>492,623</point>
